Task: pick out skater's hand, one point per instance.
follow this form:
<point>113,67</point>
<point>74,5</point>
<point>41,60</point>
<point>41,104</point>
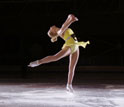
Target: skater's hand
<point>72,17</point>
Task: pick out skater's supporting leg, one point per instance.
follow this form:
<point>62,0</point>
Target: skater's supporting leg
<point>73,62</point>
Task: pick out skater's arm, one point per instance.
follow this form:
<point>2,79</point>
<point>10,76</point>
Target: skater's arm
<point>70,19</point>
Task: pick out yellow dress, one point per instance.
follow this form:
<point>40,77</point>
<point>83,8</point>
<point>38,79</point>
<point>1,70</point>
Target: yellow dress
<point>72,42</point>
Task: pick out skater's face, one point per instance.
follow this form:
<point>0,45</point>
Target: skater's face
<point>52,31</point>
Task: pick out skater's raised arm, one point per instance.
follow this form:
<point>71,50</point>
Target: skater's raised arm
<point>54,32</point>
<point>70,19</point>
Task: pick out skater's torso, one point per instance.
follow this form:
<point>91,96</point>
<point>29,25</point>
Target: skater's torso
<point>69,36</point>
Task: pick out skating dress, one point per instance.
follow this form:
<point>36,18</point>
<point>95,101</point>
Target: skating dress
<point>72,42</point>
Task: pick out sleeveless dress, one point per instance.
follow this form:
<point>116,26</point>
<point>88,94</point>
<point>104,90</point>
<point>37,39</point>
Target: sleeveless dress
<point>72,42</point>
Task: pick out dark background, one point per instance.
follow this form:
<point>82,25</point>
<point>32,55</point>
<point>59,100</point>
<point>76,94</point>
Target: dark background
<point>23,35</point>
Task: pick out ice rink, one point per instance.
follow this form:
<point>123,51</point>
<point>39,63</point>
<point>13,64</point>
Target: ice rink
<point>55,95</point>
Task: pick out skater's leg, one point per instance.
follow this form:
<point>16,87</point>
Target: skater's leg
<point>72,64</point>
<point>61,54</point>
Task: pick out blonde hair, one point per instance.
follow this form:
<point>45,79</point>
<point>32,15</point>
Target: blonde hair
<point>53,36</point>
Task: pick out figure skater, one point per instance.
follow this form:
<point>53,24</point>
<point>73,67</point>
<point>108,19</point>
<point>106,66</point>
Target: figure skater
<point>70,48</point>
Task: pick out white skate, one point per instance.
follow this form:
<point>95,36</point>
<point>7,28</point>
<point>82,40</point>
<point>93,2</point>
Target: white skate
<point>69,88</point>
<point>34,64</point>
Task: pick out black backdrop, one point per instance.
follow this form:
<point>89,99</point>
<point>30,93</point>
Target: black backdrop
<point>24,25</point>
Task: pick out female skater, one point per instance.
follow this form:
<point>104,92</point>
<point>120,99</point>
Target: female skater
<point>70,48</point>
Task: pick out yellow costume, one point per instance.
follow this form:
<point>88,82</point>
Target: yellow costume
<point>71,40</point>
